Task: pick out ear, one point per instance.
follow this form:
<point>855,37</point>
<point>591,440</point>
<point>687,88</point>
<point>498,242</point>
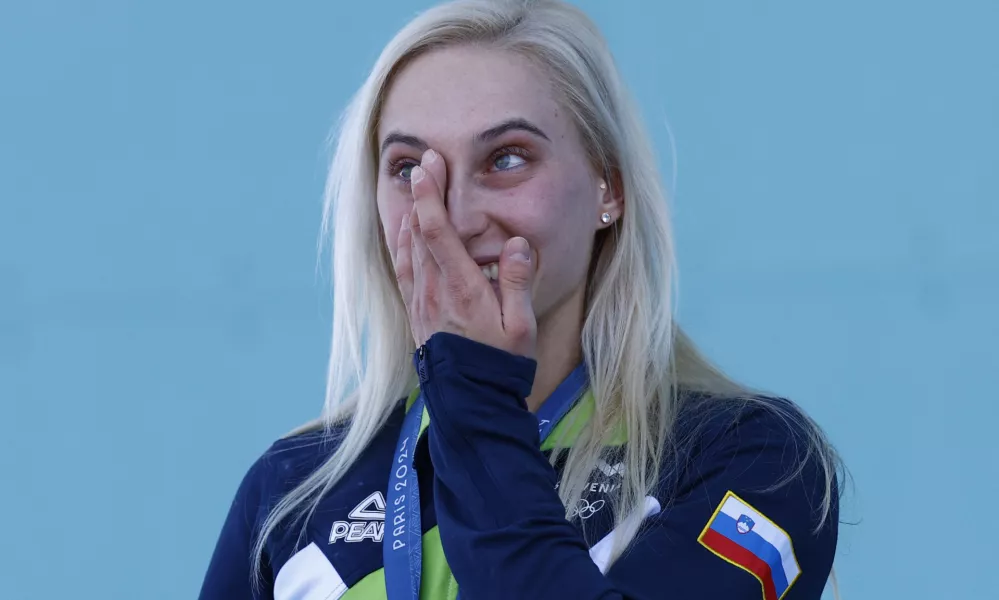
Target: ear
<point>611,201</point>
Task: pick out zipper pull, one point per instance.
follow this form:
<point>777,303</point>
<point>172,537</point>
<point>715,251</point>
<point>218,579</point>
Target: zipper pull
<point>421,368</point>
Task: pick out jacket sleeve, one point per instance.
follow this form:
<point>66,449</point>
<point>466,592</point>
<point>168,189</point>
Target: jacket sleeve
<point>503,526</point>
<point>229,574</point>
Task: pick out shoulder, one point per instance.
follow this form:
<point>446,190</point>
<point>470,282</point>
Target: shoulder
<point>289,460</point>
<point>292,458</point>
<point>764,442</point>
<point>764,449</point>
<point>756,464</point>
<point>279,469</point>
<point>707,424</point>
<point>273,473</point>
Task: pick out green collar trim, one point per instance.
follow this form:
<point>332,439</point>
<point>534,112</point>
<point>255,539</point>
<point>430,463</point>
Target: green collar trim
<point>565,433</point>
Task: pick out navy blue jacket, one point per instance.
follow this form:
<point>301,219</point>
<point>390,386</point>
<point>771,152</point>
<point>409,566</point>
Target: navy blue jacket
<point>494,526</point>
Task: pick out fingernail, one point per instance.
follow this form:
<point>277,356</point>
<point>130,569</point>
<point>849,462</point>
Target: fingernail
<point>416,175</point>
<point>405,221</point>
<point>519,250</point>
<point>428,157</point>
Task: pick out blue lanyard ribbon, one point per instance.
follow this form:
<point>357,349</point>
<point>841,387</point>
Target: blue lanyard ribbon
<point>402,548</point>
<point>565,396</point>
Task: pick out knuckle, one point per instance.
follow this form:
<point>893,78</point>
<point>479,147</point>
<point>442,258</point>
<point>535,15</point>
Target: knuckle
<point>402,266</point>
<point>521,329</point>
<point>517,277</point>
<point>432,231</point>
<point>402,274</point>
<point>517,330</point>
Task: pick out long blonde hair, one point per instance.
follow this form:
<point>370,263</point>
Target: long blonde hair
<point>636,355</point>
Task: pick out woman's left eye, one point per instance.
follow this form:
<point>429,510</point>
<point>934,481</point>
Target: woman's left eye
<point>507,161</point>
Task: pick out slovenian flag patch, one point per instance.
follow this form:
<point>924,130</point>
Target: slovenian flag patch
<point>741,535</point>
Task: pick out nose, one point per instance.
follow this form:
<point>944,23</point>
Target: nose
<point>465,210</point>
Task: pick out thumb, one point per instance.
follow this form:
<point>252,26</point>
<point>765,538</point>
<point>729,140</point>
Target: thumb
<point>516,282</point>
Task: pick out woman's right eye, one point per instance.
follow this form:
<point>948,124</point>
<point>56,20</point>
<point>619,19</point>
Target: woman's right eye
<point>401,168</point>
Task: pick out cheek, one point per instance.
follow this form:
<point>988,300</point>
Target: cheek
<point>550,214</point>
<point>553,218</point>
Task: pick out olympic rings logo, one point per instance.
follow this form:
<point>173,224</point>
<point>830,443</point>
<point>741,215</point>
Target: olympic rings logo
<point>586,509</point>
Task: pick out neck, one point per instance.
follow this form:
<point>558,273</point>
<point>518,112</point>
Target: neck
<point>559,348</point>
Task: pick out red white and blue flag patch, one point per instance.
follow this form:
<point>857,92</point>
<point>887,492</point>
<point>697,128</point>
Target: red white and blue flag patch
<point>744,537</point>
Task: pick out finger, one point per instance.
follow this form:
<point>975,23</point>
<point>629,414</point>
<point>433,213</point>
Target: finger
<point>425,279</point>
<point>404,262</point>
<point>516,282</point>
<point>422,259</point>
<point>434,163</point>
<point>416,302</point>
<point>438,234</point>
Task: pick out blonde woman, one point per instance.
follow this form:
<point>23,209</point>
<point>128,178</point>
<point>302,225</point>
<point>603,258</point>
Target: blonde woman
<point>512,411</point>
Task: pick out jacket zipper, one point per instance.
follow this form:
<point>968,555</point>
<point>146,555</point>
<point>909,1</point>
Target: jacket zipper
<point>422,363</point>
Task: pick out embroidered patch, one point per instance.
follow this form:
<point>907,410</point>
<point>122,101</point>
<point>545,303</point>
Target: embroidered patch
<point>746,538</point>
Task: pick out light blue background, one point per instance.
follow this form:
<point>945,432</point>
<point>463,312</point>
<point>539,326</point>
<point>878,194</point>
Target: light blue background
<point>161,319</point>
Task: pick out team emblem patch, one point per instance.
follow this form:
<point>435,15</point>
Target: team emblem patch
<point>746,538</point>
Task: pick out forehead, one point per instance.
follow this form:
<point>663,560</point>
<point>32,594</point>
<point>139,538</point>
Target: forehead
<point>460,91</point>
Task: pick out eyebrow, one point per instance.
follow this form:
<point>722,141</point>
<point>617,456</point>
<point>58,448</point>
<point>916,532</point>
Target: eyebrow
<point>510,125</point>
<point>401,138</point>
<point>490,134</point>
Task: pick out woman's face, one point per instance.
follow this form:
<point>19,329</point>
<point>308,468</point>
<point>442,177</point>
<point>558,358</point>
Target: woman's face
<point>516,165</point>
